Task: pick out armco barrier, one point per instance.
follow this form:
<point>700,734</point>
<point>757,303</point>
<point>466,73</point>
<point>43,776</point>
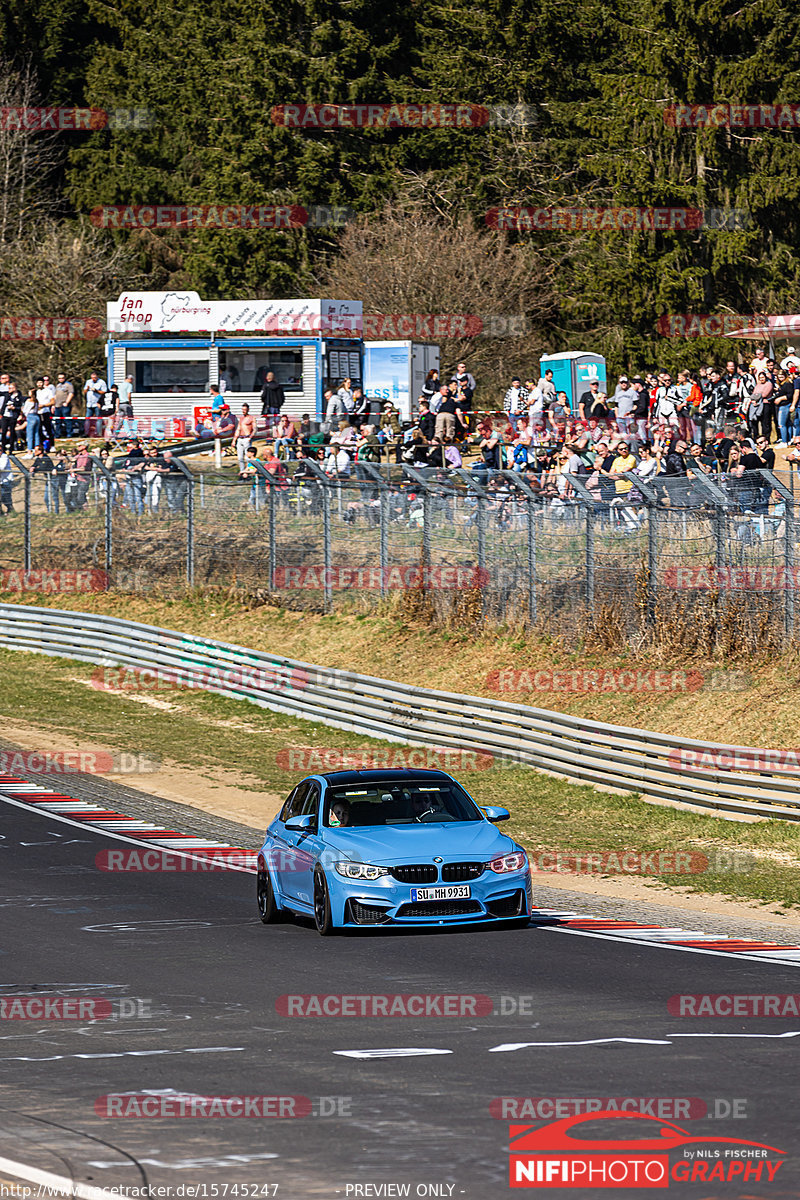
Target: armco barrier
<point>631,760</point>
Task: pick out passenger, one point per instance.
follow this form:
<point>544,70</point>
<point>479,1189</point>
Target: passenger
<point>340,813</point>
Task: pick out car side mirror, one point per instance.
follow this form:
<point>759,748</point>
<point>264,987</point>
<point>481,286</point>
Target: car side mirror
<point>495,814</point>
<point>300,824</point>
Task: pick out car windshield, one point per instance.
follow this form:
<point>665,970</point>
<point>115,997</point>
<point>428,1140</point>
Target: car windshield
<point>409,802</point>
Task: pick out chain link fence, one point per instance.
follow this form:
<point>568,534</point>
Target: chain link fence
<point>712,556</point>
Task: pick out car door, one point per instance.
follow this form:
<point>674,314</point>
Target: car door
<point>284,854</point>
<point>308,845</point>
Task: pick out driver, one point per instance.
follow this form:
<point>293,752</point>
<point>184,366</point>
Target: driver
<point>422,804</point>
<point>340,813</point>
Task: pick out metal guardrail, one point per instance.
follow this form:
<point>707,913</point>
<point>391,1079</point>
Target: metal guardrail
<point>609,756</point>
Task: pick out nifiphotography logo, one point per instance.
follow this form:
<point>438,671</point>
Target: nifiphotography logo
<point>650,1154</point>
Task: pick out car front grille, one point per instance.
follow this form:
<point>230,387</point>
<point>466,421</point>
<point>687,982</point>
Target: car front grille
<point>458,872</point>
<point>415,873</point>
<point>439,908</point>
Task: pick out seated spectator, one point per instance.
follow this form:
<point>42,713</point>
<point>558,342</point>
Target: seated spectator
<point>338,462</point>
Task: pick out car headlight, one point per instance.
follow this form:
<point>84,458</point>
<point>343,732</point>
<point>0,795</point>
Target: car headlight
<point>359,870</point>
<point>517,861</point>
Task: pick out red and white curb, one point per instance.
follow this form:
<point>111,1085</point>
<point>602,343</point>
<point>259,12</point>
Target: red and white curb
<point>120,827</point>
<point>142,833</point>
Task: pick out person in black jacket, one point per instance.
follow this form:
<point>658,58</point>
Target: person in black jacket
<point>273,397</point>
<point>10,410</point>
<point>715,402</point>
<point>426,420</point>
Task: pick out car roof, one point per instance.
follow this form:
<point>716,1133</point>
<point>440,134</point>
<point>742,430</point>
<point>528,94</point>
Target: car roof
<point>388,776</point>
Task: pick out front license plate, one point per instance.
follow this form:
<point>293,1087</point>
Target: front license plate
<point>460,891</point>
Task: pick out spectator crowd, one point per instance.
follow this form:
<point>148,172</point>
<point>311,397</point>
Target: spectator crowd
<point>714,421</point>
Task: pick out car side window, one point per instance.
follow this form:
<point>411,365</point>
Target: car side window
<point>294,805</point>
<point>311,802</point>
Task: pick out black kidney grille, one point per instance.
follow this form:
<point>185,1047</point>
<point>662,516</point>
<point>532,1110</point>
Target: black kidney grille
<point>458,872</point>
<point>415,873</point>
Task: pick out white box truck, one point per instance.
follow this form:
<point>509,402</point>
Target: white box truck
<point>396,371</point>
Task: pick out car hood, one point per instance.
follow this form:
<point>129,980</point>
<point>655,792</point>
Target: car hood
<point>453,842</point>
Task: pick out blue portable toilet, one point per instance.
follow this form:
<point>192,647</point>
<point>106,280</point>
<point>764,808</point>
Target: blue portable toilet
<point>573,371</point>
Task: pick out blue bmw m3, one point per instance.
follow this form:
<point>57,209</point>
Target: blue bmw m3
<point>369,848</point>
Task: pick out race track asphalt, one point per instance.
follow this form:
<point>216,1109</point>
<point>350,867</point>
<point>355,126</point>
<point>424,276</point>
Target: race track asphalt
<point>209,975</point>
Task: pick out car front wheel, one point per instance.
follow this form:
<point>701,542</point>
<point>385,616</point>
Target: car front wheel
<point>323,918</point>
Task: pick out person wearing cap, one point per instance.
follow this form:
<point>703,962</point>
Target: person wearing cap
<point>789,361</point>
<point>588,400</point>
<point>389,426</point>
<point>624,403</point>
<point>641,408</point>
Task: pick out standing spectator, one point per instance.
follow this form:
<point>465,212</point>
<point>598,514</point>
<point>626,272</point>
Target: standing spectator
<point>683,387</point>
<point>33,428</point>
<point>624,404</point>
<point>667,399</point>
<point>587,399</point>
<point>515,399</point>
<point>557,413</point>
<point>94,390</point>
<point>82,471</point>
<point>5,387</point>
<point>740,385</point>
<point>466,381</point>
<point>10,412</point>
<point>6,483</point>
<point>762,393</point>
<point>793,423</point>
<point>360,408</point>
<point>244,434</point>
<point>217,399</point>
<point>58,482</point>
<point>641,411</point>
<point>334,409</point>
<point>132,467</point>
<point>546,386</point>
<point>45,394</point>
<point>791,360</point>
<point>109,410</point>
<point>258,490</point>
<point>176,485</point>
<point>783,399</point>
<point>430,386</point>
<point>715,405</point>
<point>345,394</point>
<point>273,398</point>
<point>439,398</point>
<point>426,420</point>
<point>154,470</point>
<point>694,404</point>
<point>62,406</point>
<point>125,401</point>
<point>43,465</point>
<point>448,419</point>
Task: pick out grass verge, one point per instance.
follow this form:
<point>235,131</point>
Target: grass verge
<point>198,730</point>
